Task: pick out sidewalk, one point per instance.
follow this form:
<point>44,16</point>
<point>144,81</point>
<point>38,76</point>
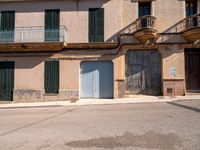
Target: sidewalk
<point>132,100</point>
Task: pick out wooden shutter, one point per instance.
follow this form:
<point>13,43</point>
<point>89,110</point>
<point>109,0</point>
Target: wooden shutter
<point>96,25</point>
<point>143,72</point>
<point>52,24</point>
<point>51,76</point>
<point>6,80</point>
<point>7,26</point>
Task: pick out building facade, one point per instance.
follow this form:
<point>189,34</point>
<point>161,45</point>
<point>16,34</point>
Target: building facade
<point>78,49</point>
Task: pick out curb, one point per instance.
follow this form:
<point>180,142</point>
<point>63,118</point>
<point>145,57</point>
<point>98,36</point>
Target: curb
<point>91,102</point>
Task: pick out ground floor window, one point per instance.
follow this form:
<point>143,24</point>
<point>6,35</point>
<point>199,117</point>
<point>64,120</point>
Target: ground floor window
<point>51,76</point>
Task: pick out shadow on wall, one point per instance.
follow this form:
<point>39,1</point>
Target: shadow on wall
<point>62,5</point>
<point>129,29</point>
<point>176,27</point>
<point>172,33</point>
<point>28,62</point>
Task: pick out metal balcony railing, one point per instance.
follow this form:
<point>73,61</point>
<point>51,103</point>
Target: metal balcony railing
<point>192,22</point>
<point>185,24</point>
<point>146,22</point>
<point>34,35</point>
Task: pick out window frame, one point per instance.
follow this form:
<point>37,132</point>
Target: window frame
<point>144,5</point>
<point>96,33</point>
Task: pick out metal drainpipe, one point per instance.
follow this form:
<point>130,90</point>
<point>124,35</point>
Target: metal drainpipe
<point>77,5</point>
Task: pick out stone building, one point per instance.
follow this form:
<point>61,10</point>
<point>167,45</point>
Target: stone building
<point>77,49</point>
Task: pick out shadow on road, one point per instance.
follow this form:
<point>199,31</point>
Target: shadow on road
<point>184,106</point>
<point>150,140</point>
<point>37,122</point>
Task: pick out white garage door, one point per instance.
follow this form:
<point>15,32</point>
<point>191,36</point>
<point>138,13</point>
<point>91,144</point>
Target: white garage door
<point>97,79</point>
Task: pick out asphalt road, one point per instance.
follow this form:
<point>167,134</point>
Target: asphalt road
<point>164,126</point>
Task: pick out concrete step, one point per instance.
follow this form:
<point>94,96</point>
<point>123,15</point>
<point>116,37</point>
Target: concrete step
<point>188,94</point>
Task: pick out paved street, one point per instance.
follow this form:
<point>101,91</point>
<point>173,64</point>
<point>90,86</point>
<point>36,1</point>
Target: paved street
<point>165,126</point>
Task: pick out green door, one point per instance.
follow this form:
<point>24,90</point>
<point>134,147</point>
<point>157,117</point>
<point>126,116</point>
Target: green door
<point>7,26</point>
<point>52,25</point>
<point>6,81</point>
<point>51,76</point>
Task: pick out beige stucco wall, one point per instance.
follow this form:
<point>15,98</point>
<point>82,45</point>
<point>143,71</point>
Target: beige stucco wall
<point>69,74</point>
<point>173,57</point>
<point>129,12</point>
<point>118,14</point>
<point>29,77</point>
<point>29,72</point>
<point>73,16</point>
<point>168,13</point>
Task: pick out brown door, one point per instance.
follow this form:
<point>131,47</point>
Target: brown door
<point>192,70</point>
<point>143,72</point>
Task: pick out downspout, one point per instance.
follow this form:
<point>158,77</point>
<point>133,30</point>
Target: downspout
<point>77,5</point>
<point>118,47</point>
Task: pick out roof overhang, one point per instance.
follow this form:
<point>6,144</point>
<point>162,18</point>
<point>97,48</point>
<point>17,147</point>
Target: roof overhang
<point>54,47</point>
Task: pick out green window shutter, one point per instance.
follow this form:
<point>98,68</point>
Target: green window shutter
<point>96,25</point>
<point>0,21</point>
<point>7,26</point>
<point>51,76</point>
<point>52,25</point>
<point>6,80</point>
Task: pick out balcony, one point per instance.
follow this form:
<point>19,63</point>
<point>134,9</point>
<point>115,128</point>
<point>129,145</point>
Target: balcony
<point>146,29</point>
<point>191,30</point>
<point>33,39</point>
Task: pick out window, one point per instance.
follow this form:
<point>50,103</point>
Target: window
<point>52,25</point>
<point>51,76</point>
<point>96,25</point>
<point>191,8</point>
<point>7,26</point>
<point>144,9</point>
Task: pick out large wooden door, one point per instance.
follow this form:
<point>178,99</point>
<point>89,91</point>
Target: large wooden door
<point>143,72</point>
<point>97,79</point>
<point>6,80</point>
<point>192,70</point>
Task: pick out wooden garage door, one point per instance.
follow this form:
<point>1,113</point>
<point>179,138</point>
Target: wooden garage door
<point>97,79</point>
<point>6,80</point>
<point>143,72</point>
<point>192,70</point>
